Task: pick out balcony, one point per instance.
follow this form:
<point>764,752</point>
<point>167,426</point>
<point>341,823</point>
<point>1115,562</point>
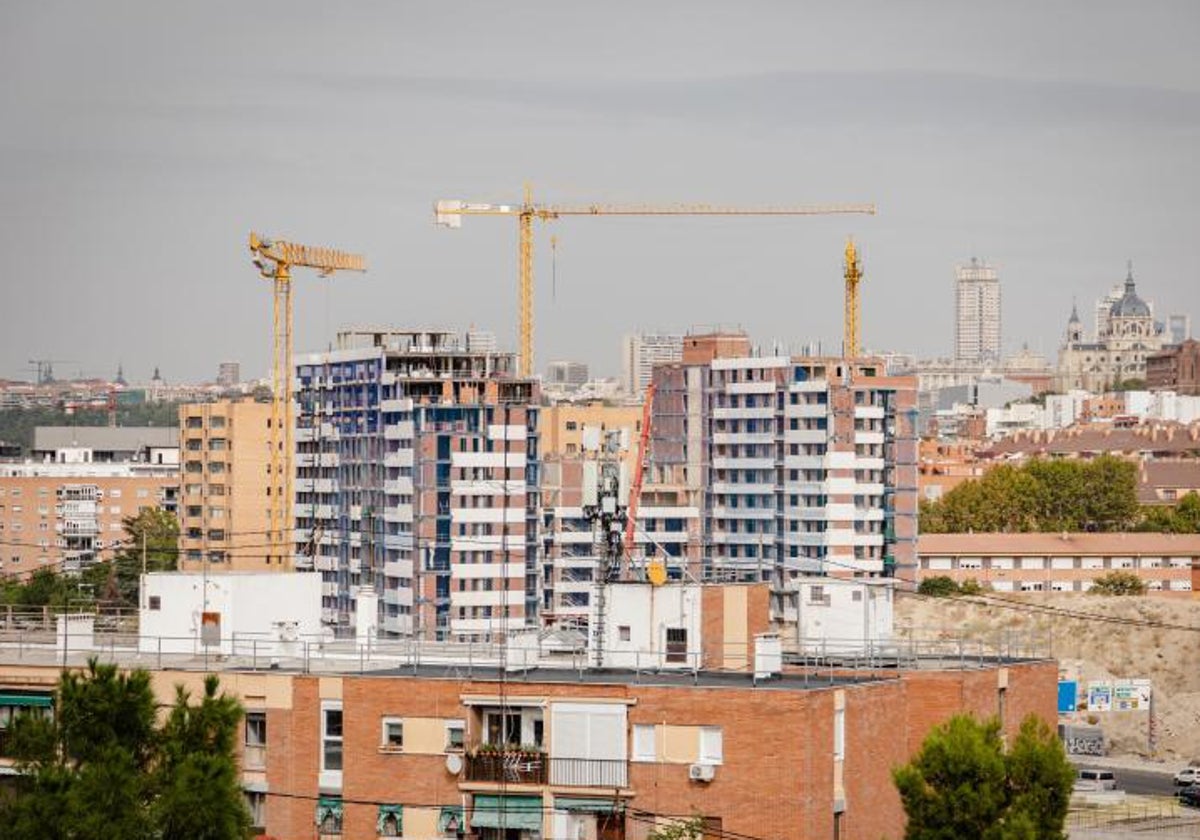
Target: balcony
<point>533,768</point>
<point>510,766</point>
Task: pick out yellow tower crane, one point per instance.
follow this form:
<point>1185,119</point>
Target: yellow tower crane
<point>851,330</point>
<point>449,213</point>
<point>275,260</point>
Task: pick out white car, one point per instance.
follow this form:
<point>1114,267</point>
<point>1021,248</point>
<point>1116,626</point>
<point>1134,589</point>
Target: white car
<point>1188,776</point>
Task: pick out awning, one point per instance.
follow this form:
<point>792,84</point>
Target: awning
<point>389,813</point>
<point>519,812</point>
<point>329,808</point>
<point>593,806</point>
<point>450,818</point>
<point>41,700</point>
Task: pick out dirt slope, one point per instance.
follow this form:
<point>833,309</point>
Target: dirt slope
<point>1095,650</point>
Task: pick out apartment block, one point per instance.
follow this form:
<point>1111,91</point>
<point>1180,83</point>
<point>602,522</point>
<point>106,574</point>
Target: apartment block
<point>225,487</point>
<point>641,352</point>
<point>1175,369</point>
<point>66,516</point>
<point>422,753</point>
<point>802,464</point>
<point>562,426</point>
<point>1169,564</point>
<point>418,472</point>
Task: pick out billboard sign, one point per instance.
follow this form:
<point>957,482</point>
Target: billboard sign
<point>1131,696</point>
<point>1099,696</point>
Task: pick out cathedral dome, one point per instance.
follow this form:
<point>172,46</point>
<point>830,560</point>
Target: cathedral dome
<point>1130,305</point>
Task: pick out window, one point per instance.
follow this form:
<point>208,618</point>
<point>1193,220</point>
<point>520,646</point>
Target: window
<point>392,739</point>
<point>677,647</point>
<point>256,740</point>
<point>390,822</point>
<point>114,493</point>
<point>329,815</point>
<point>455,735</point>
<point>711,747</point>
<point>623,632</point>
<point>256,804</point>
<point>331,738</point>
<point>156,602</point>
<point>644,746</point>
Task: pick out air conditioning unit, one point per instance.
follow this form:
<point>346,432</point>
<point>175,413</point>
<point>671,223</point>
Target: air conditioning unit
<point>701,772</point>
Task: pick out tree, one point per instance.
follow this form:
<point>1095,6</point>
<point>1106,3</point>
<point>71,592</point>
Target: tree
<point>938,586</point>
<point>1118,583</point>
<point>691,828</point>
<point>1041,495</point>
<point>199,795</point>
<point>963,784</point>
<point>101,768</point>
<point>119,580</point>
<point>1183,518</point>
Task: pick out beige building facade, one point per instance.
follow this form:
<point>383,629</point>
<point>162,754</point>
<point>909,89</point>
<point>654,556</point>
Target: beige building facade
<point>224,487</point>
<point>65,517</point>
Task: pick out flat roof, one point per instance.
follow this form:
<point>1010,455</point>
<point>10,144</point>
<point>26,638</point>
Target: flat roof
<point>1053,544</point>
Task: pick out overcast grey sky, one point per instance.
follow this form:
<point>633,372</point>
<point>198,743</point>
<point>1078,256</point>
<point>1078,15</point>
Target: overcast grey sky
<point>141,141</point>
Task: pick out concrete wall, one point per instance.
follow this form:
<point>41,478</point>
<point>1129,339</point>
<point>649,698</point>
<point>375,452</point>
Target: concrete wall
<point>251,608</point>
<point>647,611</point>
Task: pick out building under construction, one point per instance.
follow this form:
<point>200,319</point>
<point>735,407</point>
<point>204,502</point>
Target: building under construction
<point>417,474</point>
<point>798,464</point>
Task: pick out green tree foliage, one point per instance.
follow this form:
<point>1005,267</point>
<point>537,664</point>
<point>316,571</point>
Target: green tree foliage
<point>113,583</point>
<point>1041,495</point>
<point>1183,518</point>
<point>1118,583</point>
<point>102,768</point>
<point>691,828</point>
<point>938,586</point>
<point>964,784</point>
<point>159,530</point>
<point>17,424</point>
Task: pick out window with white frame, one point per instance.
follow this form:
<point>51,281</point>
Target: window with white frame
<point>456,735</point>
<point>392,734</point>
<point>256,730</point>
<point>645,747</point>
<point>331,737</point>
<point>711,747</point>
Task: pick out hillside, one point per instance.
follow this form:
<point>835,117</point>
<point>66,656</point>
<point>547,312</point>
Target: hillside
<point>1098,650</point>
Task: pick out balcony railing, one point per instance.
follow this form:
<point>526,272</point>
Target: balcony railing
<point>589,772</point>
<point>514,767</point>
<point>535,769</point>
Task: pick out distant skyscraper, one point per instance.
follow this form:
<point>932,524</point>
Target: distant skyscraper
<point>228,374</point>
<point>977,313</point>
<point>1179,328</point>
<point>566,374</point>
<point>640,353</point>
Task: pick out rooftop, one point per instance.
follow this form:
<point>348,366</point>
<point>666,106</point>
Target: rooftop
<point>1043,545</point>
<point>104,438</point>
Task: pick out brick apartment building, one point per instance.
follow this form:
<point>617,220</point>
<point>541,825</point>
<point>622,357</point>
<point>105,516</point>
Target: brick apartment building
<point>1176,369</point>
<point>800,464</point>
<point>1168,563</point>
<point>224,513</point>
<point>65,508</point>
<point>433,753</point>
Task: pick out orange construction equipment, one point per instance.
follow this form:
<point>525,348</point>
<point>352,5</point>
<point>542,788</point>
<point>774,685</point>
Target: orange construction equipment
<point>639,468</point>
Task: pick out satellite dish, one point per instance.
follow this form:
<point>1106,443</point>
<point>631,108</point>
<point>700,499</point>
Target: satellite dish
<point>454,764</point>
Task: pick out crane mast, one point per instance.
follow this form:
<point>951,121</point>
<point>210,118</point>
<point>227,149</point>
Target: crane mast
<point>275,260</point>
<point>853,318</point>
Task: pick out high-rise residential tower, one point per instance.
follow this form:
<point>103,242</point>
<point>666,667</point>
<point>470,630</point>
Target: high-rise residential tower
<point>977,314</point>
<point>800,464</point>
<point>641,352</point>
<point>417,476</point>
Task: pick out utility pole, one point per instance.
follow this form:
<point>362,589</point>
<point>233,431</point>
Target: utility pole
<point>605,492</point>
<point>143,586</point>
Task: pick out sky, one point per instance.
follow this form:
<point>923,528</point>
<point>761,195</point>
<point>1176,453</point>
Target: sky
<point>140,142</point>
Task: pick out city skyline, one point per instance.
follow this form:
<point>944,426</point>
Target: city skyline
<point>136,166</point>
